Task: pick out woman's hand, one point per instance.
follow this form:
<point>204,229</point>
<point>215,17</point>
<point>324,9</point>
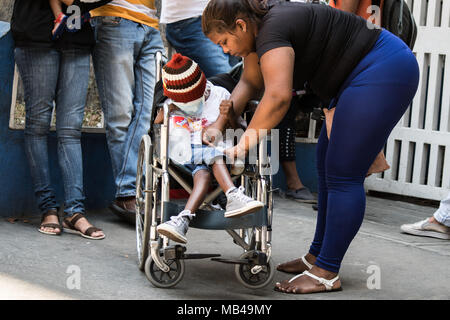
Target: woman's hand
<point>236,152</point>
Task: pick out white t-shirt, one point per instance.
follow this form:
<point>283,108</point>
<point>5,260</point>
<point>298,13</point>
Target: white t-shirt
<point>176,10</point>
<point>210,112</point>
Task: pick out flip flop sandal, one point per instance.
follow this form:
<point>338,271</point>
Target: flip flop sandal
<point>327,283</point>
<point>308,265</point>
<point>87,234</point>
<point>51,212</point>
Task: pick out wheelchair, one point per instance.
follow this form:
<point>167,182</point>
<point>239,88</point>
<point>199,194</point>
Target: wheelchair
<point>164,263</point>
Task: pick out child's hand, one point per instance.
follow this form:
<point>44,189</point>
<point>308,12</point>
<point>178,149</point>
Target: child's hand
<point>227,110</point>
<point>211,135</point>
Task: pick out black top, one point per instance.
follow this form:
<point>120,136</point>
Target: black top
<point>32,24</point>
<point>328,43</point>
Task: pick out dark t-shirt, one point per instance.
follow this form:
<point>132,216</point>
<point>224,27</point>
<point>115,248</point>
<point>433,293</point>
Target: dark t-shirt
<point>328,43</point>
<point>32,24</point>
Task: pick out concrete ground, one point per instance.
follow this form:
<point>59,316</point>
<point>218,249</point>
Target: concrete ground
<point>36,266</point>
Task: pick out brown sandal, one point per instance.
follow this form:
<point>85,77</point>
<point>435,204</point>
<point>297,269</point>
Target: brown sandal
<point>87,233</point>
<point>50,212</point>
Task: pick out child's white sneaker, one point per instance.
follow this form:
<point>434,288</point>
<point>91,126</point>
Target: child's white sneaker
<point>176,228</point>
<point>239,204</point>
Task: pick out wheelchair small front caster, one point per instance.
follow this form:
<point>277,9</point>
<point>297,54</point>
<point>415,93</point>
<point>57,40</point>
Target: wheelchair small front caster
<point>161,279</point>
<point>252,275</point>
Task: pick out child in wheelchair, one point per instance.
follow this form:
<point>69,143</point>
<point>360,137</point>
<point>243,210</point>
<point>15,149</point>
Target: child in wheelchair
<point>194,103</point>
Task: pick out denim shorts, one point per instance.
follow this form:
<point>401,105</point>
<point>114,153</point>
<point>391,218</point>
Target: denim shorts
<point>202,158</point>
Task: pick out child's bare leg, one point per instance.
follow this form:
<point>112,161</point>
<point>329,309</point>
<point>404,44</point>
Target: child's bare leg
<point>202,180</point>
<point>56,7</point>
<point>238,203</point>
<point>177,227</point>
<point>222,175</point>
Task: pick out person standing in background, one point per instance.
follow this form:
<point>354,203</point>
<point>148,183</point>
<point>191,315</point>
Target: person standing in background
<point>184,33</point>
<point>127,39</point>
<point>437,226</point>
<point>55,73</point>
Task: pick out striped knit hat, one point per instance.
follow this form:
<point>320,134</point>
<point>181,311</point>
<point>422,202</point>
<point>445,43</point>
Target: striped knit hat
<point>183,81</point>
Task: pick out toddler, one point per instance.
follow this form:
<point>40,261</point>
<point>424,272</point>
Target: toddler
<point>196,103</point>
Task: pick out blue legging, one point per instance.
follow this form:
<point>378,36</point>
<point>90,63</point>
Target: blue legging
<point>372,100</point>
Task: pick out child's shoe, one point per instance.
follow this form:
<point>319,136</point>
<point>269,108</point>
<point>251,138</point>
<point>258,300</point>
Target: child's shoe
<point>176,228</point>
<point>238,204</point>
<point>60,25</point>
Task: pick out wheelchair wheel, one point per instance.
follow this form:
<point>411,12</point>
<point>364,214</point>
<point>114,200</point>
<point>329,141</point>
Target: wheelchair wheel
<point>144,199</point>
<point>251,278</point>
<point>161,279</point>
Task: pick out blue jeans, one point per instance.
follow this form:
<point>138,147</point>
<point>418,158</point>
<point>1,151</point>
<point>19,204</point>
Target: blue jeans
<point>124,62</point>
<point>51,76</point>
<point>442,215</point>
<point>187,37</point>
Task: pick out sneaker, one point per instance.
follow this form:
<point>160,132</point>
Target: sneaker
<point>238,204</point>
<point>301,195</point>
<point>176,228</point>
<point>427,229</point>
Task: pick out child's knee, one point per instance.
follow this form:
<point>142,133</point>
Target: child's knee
<point>203,175</point>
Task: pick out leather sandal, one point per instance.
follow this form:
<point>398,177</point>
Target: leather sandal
<point>87,233</point>
<point>50,212</point>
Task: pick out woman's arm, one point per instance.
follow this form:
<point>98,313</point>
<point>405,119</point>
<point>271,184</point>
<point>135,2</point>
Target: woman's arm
<point>248,87</point>
<point>277,67</point>
<point>349,5</point>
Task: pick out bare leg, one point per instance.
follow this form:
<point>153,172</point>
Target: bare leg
<point>222,175</point>
<point>297,266</point>
<point>202,180</point>
<point>293,181</point>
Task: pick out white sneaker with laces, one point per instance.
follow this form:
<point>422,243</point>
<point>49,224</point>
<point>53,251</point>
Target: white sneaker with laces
<point>239,204</point>
<point>426,228</point>
<point>176,228</point>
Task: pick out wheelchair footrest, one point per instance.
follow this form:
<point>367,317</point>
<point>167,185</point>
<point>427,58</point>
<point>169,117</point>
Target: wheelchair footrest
<point>178,252</point>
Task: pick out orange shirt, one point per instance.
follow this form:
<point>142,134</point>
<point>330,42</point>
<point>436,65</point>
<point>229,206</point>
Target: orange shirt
<point>140,11</point>
<point>362,8</point>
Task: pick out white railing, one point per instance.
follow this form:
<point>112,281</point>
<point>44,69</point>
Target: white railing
<point>418,149</point>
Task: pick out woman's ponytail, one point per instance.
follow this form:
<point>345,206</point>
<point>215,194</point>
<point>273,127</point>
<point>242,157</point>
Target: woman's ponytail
<point>220,15</point>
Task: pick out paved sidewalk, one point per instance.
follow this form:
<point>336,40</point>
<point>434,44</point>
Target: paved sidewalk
<point>35,266</point>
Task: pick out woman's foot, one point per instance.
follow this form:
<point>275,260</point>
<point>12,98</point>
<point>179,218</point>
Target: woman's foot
<point>312,281</point>
<point>81,225</point>
<point>298,265</point>
<point>50,223</point>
